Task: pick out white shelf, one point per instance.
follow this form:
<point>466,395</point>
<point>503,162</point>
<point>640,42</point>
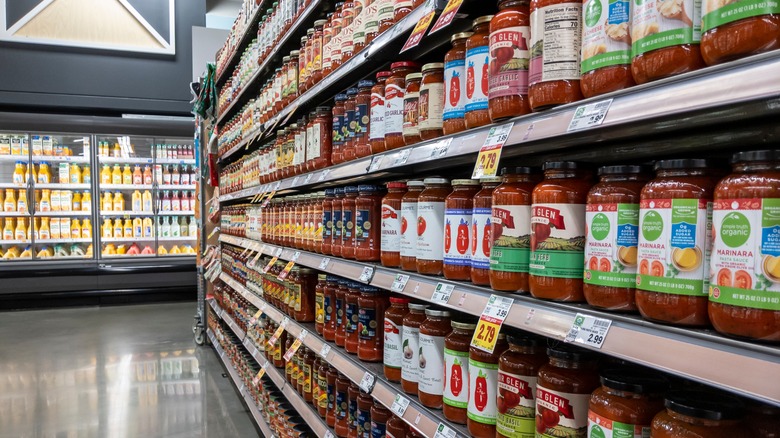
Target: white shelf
<point>54,159</point>
<point>175,161</point>
<point>63,186</point>
<point>14,158</point>
<point>126,213</point>
<point>125,160</point>
<point>15,242</point>
<point>14,214</point>
<point>176,187</point>
<point>12,186</point>
<point>62,213</point>
<point>177,239</point>
<point>51,241</point>
<point>126,186</point>
<point>126,239</point>
<point>176,213</point>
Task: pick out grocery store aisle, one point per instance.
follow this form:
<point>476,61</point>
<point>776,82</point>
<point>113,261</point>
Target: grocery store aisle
<point>129,371</point>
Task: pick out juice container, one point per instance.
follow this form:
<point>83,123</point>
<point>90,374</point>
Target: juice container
<point>175,229</point>
<point>107,230</point>
<point>64,173</point>
<point>9,205</point>
<point>138,177</point>
<point>137,201</point>
<point>165,227</point>
<point>193,227</point>
<point>30,172</point>
<point>21,203</point>
<point>66,200</point>
<point>86,229</point>
<point>158,174</point>
<point>75,229</point>
<point>44,173</point>
<point>148,227</point>
<point>166,201</point>
<point>16,146</point>
<point>75,174</point>
<point>107,204</point>
<point>2,200</point>
<point>21,229</point>
<point>65,228</point>
<point>175,201</point>
<point>76,202</point>
<point>105,175</point>
<point>119,202</point>
<point>127,175</point>
<point>86,201</point>
<point>184,229</point>
<point>116,175</point>
<point>19,172</point>
<point>8,229</point>
<point>54,228</point>
<point>45,204</point>
<point>147,175</point>
<point>162,251</point>
<point>116,152</point>
<point>138,227</point>
<point>48,145</point>
<point>86,175</point>
<point>5,145</point>
<point>118,228</point>
<point>147,201</point>
<point>128,228</point>
<point>37,145</point>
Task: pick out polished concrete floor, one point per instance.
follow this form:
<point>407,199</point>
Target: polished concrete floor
<point>131,371</point>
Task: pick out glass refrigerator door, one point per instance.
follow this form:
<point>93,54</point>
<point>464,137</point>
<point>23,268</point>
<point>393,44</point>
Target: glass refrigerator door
<point>126,188</point>
<point>175,193</point>
<point>15,191</point>
<point>62,227</point>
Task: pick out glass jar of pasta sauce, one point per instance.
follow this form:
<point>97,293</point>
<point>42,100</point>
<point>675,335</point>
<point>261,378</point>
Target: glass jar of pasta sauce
<point>477,75</point>
<point>483,388</point>
<point>401,8</point>
<point>362,118</point>
<point>606,47</point>
<point>430,226</point>
<point>371,314</point>
<point>410,363</point>
<point>675,239</point>
<point>456,371</point>
<point>393,343</point>
<point>379,417</point>
<point>330,416</point>
<point>481,232</point>
<point>341,312</point>
<point>353,393</point>
<point>411,130</point>
<point>510,33</point>
<point>558,232</point>
<point>351,315</point>
<point>409,225</point>
<point>319,149</point>
<point>744,265</point>
<point>431,104</point>
<point>554,75</point>
<point>390,255</point>
<point>612,221</point>
<point>348,210</point>
<point>376,132</point>
<point>368,223</point>
<point>727,36</point>
<point>338,221</point>
<point>396,427</point>
<point>626,402</point>
<point>322,382</point>
<point>349,126</point>
<point>458,209</point>
<point>511,230</point>
<point>363,417</point>
<point>385,15</point>
<point>430,388</point>
<point>327,221</point>
<point>563,391</point>
<point>319,299</point>
<point>342,406</point>
<point>518,368</point>
<point>395,87</point>
<point>339,118</point>
<point>700,413</point>
<point>329,327</point>
<point>455,85</point>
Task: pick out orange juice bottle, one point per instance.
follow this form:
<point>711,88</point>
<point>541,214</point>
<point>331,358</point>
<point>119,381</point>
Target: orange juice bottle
<point>66,200</point>
<point>65,228</point>
<point>138,227</point>
<point>86,175</point>
<point>21,203</point>
<point>147,201</point>
<point>76,201</point>
<point>19,172</point>
<point>127,175</point>
<point>147,175</point>
<point>44,173</point>
<point>117,151</point>
<point>30,172</point>
<point>107,203</point>
<point>116,175</point>
<point>138,177</point>
<point>8,229</point>
<point>86,229</point>
<point>9,205</point>
<point>21,229</point>
<point>137,202</point>
<point>107,230</point>
<point>105,175</point>
<point>148,227</point>
<point>119,202</point>
<point>45,204</point>
<point>54,226</point>
<point>86,201</point>
<point>128,228</point>
<point>118,229</point>
<point>75,174</point>
<point>75,229</point>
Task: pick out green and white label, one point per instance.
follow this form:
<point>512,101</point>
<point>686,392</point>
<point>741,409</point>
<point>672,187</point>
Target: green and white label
<point>511,233</point>
<point>557,240</point>
<point>605,34</point>
<point>665,23</point>
<point>717,13</point>
<point>600,427</point>
<point>611,245</point>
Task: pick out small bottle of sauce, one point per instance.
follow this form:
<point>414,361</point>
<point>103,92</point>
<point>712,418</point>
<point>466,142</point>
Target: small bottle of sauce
<point>627,401</point>
<point>606,47</point>
<point>558,232</point>
<point>510,33</point>
<point>351,317</point>
<point>410,364</point>
<point>329,302</point>
<point>726,36</point>
<point>456,371</point>
<point>612,218</point>
<point>390,245</point>
<point>349,127</point>
<point>481,239</point>
<point>455,85</point>
<point>477,62</point>
<point>341,312</point>
<point>511,230</point>
<point>518,368</point>
<point>430,226</point>
<point>409,225</point>
<point>342,406</point>
<point>352,426</point>
<point>348,219</point>
<point>330,416</point>
<point>434,329</point>
<point>393,340</point>
<point>339,118</point>
<point>395,87</point>
<point>338,221</point>
<point>368,210</point>
<point>699,413</point>
<point>319,148</point>
<point>319,299</point>
<point>396,427</point>
<point>322,382</point>
<point>363,417</point>
<point>483,389</point>
<point>566,381</point>
<point>411,130</point>
<point>327,221</point>
<point>431,101</point>
<point>362,117</point>
<point>379,417</point>
<point>371,313</point>
<point>675,232</point>
<point>458,209</point>
<point>376,132</point>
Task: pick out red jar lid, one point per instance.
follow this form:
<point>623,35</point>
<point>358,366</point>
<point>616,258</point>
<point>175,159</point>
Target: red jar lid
<point>400,64</point>
<point>384,74</point>
<point>399,300</point>
<point>396,185</point>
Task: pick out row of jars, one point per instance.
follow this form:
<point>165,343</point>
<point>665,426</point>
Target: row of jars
<point>240,24</point>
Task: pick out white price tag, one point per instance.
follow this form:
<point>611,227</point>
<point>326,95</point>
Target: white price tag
<point>284,322</point>
<point>530,316</point>
<point>308,178</point>
<point>376,162</point>
<point>325,350</point>
<point>367,382</point>
<point>399,405</point>
<point>324,263</point>
<point>442,293</point>
<point>444,432</point>
<point>440,148</point>
<point>277,185</point>
<point>399,283</point>
<point>323,175</point>
<point>401,159</point>
<point>278,252</point>
<point>366,275</point>
<point>329,434</point>
<point>295,256</point>
<point>295,181</point>
<point>302,335</point>
<point>589,116</point>
<point>588,330</point>
<point>263,306</point>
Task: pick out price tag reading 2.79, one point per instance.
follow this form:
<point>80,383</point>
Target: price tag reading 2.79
<point>490,153</point>
<point>486,334</point>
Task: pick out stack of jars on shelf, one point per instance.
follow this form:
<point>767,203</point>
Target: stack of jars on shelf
<point>233,220</point>
<point>240,25</point>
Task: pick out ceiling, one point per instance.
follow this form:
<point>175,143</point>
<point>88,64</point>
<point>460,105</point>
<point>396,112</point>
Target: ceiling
<point>221,13</point>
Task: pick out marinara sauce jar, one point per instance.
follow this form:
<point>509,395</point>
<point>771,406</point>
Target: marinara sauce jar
<point>348,213</point>
<point>322,382</point>
<point>458,211</point>
<point>338,221</point>
<point>431,104</point>
<point>656,58</point>
<point>627,401</point>
<point>606,47</point>
<point>363,417</point>
<point>411,129</point>
<point>349,127</point>
<point>368,223</point>
<point>455,85</point>
<point>371,314</point>
<point>341,312</point>
<point>395,86</point>
<point>481,232</point>
<point>393,342</point>
<point>376,132</point>
<point>456,371</point>
<point>477,61</point>
<point>430,226</point>
<point>612,220</point>
<point>675,239</point>
<point>351,316</point>
<point>409,225</point>
<point>743,264</point>
<point>558,232</point>
<point>483,388</point>
<point>353,393</point>
<point>327,221</point>
<point>337,137</point>
<point>554,75</point>
<point>410,364</point>
<point>319,299</point>
<point>342,405</point>
<point>329,327</point>
<point>396,427</point>
<point>511,230</point>
<point>379,417</point>
<point>563,391</point>
<point>330,416</point>
<point>518,368</point>
<point>362,116</point>
<point>699,414</point>
<point>727,36</point>
<point>390,246</point>
<point>430,389</point>
<point>510,33</point>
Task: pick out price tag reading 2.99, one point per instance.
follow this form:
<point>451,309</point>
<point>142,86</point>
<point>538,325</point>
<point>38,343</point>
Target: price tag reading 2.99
<point>486,334</point>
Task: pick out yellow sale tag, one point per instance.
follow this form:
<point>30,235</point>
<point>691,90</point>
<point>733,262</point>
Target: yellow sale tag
<point>275,336</point>
<point>490,322</point>
<point>490,153</point>
<point>293,349</point>
<point>447,15</point>
<point>270,264</point>
<point>286,271</point>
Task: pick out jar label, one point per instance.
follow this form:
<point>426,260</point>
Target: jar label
<point>314,142</point>
<point>319,308</point>
<point>410,366</point>
<point>348,128</point>
<point>306,378</point>
<point>454,83</point>
<point>483,383</point>
<point>557,240</point>
<point>338,130</point>
<point>367,323</point>
<point>674,246</point>
<point>327,219</point>
<point>394,109</point>
<point>359,32</point>
<point>611,244</point>
<point>477,62</point>
<point>431,362</point>
<point>431,106</point>
<point>562,414</point>
<point>430,230</point>
<point>392,347</point>
<point>352,317</point>
<point>327,56</point>
<point>511,234</point>
<point>516,405</point>
<point>391,229</point>
<point>341,404</point>
<point>399,4</point>
<point>346,38</point>
<point>411,113</point>
<point>716,13</point>
<point>664,23</point>
<point>348,224</point>
<point>480,238</point>
<point>339,312</point>
<point>361,120</point>
<point>556,37</point>
<point>509,59</point>
<point>385,12</point>
<point>372,18</point>
<point>456,236</point>
<point>295,301</point>
<point>605,36</point>
<point>363,224</point>
<point>324,401</point>
<point>377,118</point>
<point>378,429</point>
<point>600,427</point>
<point>408,233</point>
<point>363,422</point>
<point>338,223</point>
<point>746,253</point>
<point>456,378</point>
<point>328,308</point>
